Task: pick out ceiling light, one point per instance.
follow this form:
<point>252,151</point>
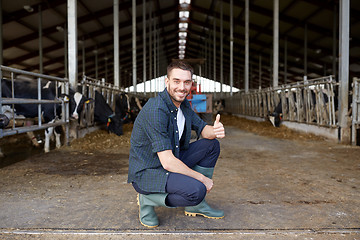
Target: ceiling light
<point>60,28</point>
<point>28,8</point>
<point>184,14</point>
<point>182,34</point>
<point>183,25</point>
<point>184,1</point>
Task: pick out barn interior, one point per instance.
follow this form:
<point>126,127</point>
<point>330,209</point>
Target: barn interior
<point>266,49</point>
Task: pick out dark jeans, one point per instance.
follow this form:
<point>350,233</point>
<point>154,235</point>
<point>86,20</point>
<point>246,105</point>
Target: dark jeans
<point>184,190</point>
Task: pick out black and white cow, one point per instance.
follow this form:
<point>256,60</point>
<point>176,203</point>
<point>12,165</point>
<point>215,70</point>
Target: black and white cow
<point>122,107</point>
<point>50,112</point>
<point>104,114</point>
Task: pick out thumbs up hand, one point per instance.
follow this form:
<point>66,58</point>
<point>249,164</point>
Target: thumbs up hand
<point>218,127</point>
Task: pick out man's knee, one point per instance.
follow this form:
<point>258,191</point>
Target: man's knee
<point>198,194</point>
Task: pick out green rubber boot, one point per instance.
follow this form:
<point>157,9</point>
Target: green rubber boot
<point>146,203</point>
<point>203,208</point>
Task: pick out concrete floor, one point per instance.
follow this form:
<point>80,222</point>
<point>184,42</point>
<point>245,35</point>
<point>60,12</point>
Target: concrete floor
<point>269,189</point>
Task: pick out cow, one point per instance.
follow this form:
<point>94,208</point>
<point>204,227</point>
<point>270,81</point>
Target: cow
<point>50,112</point>
<point>122,107</point>
<point>104,114</point>
<point>128,109</point>
<point>135,108</point>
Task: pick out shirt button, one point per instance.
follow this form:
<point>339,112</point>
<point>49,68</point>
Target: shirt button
<point>175,118</point>
<point>177,146</point>
<point>167,173</point>
<point>176,131</point>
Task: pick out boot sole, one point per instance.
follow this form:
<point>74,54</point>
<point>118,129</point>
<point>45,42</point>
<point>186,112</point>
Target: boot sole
<point>194,215</point>
<point>138,203</point>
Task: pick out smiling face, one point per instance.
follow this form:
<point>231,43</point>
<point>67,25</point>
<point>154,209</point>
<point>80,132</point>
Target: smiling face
<point>178,84</point>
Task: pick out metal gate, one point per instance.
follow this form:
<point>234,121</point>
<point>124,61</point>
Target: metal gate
<point>355,111</point>
<point>11,74</point>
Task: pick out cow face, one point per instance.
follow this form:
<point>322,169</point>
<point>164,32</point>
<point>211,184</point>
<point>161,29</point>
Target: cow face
<point>115,125</point>
<point>77,104</point>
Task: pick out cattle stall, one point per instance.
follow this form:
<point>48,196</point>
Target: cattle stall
<point>110,93</point>
<point>312,102</point>
<point>40,80</point>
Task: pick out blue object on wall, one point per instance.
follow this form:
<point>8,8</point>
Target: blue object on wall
<point>198,103</point>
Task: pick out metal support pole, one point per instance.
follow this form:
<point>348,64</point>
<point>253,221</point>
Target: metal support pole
<point>134,43</point>
<point>72,41</point>
<point>231,48</point>
<point>260,71</point>
<point>305,52</point>
<point>221,49</point>
<point>154,57</point>
<point>83,56</point>
<point>334,57</point>
<point>246,46</point>
<point>116,45</point>
<point>285,61</point>
<point>41,66</point>
<point>106,67</point>
<point>214,56</point>
<point>344,31</point>
<point>276,44</point>
<point>96,64</point>
<point>150,48</point>
<point>144,44</point>
<point>66,65</point>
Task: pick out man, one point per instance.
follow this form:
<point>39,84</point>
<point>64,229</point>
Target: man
<point>164,167</point>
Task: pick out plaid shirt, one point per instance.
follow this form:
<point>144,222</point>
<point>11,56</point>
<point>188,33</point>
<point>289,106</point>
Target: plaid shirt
<point>155,130</point>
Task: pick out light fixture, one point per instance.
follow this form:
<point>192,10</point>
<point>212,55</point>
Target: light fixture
<point>184,14</point>
<point>59,28</point>
<point>184,1</point>
<point>182,34</point>
<point>183,25</point>
<point>28,8</point>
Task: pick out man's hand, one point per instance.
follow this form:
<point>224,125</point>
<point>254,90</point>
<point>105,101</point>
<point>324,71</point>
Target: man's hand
<point>219,130</point>
<point>208,183</point>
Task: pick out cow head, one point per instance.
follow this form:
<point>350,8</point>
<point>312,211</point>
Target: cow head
<point>115,124</point>
<point>275,118</point>
<point>4,121</point>
<point>77,104</point>
<point>122,106</point>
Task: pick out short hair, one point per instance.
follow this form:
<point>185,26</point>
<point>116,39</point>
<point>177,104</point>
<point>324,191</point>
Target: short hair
<point>183,65</point>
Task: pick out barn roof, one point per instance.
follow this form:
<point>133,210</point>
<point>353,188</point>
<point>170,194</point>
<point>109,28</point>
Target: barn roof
<point>95,35</point>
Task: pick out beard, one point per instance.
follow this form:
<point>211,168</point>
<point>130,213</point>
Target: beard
<point>177,96</point>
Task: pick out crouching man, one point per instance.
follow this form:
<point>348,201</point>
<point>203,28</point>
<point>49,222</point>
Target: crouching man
<point>164,167</point>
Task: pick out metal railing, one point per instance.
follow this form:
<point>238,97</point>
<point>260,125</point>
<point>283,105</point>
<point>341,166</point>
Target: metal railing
<point>355,110</point>
<point>88,87</point>
<point>11,73</point>
<point>311,102</point>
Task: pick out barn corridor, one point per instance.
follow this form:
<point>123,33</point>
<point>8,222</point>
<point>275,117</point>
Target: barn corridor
<point>269,188</point>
